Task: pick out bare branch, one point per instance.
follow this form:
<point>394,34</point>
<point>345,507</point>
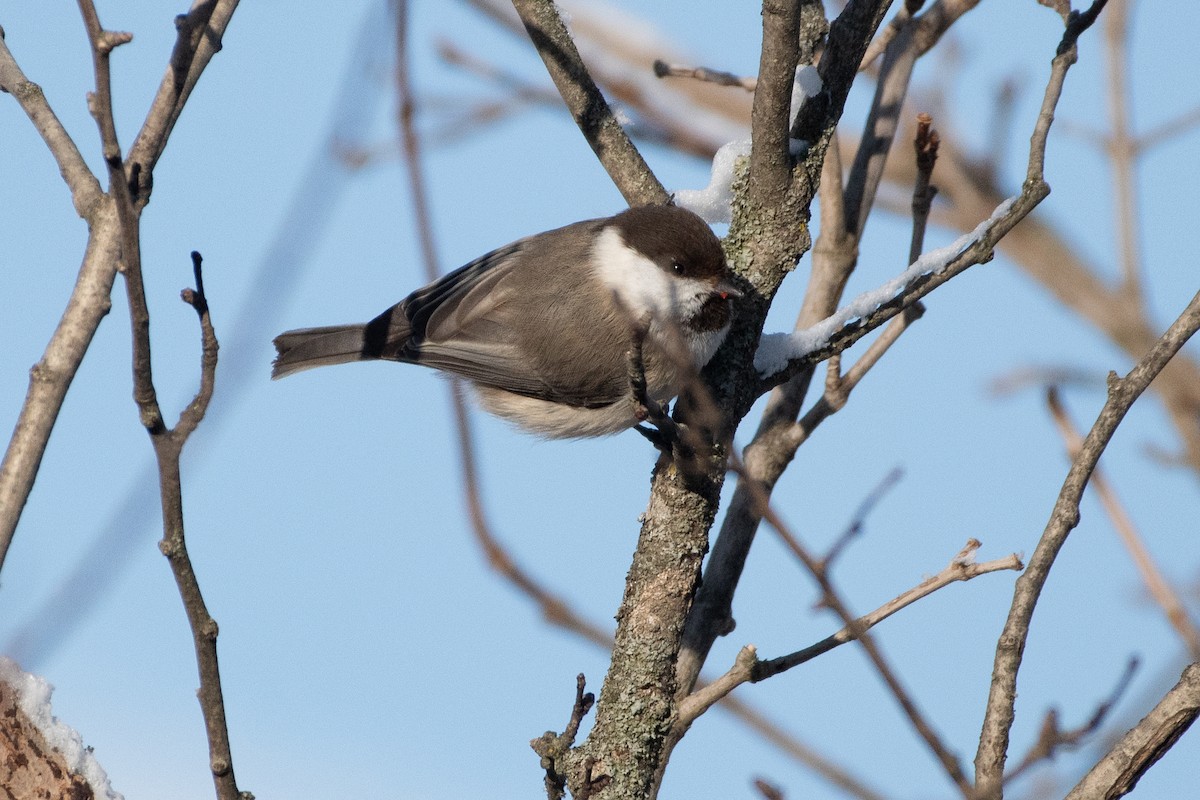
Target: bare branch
<point>880,129</point>
<point>849,36</point>
<point>1168,130</point>
<point>1018,379</point>
<point>551,746</point>
<point>52,375</point>
<point>100,104</point>
<point>1118,772</point>
<point>1052,738</point>
<point>855,528</point>
<point>168,446</point>
<point>85,189</point>
<point>768,791</point>
<point>587,105</point>
<point>90,299</point>
<point>199,35</point>
<point>830,598</point>
<point>664,70</point>
<point>1158,586</point>
<point>770,157</point>
<point>926,145</point>
<point>1122,392</point>
<point>168,443</point>
<point>748,668</point>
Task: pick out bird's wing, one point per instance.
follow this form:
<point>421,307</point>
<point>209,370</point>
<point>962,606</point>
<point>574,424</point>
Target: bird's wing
<point>464,324</point>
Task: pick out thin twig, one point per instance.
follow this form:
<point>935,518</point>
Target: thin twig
<point>858,521</point>
<point>1051,738</point>
<point>551,746</point>
<point>167,442</point>
<point>199,37</point>
<point>1122,392</point>
<point>768,790</point>
<point>1159,587</point>
<point>926,144</point>
<point>748,668</point>
<point>664,70</point>
<point>1039,376</point>
<point>1176,126</point>
<point>879,131</point>
<point>831,598</point>
<point>90,298</point>
<point>85,189</point>
<point>168,449</point>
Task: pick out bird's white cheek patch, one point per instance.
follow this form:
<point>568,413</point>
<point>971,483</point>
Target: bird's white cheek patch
<point>637,281</point>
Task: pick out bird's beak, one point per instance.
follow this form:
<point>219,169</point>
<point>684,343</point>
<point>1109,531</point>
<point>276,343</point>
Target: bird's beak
<point>726,290</point>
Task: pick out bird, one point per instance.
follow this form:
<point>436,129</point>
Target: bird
<point>543,328</point>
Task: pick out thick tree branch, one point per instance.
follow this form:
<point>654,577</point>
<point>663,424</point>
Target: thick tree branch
<point>1118,772</point>
<point>849,37</point>
<point>770,159</point>
<point>587,105</point>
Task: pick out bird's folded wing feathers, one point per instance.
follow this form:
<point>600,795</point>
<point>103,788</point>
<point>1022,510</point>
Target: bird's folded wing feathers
<point>461,324</point>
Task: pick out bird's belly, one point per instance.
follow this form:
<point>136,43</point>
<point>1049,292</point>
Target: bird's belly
<point>557,420</point>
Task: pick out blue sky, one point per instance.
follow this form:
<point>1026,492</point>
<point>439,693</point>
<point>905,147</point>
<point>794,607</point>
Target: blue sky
<point>366,648</point>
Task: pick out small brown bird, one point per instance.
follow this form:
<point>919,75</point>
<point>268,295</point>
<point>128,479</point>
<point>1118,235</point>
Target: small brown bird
<point>542,327</point>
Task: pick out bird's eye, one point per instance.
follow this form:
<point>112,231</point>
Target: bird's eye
<point>677,268</point>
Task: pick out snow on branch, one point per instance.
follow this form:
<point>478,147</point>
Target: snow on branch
<point>714,203</point>
<point>777,350</point>
<point>26,718</point>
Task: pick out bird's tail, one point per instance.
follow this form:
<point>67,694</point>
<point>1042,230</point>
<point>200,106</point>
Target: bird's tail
<point>317,347</point>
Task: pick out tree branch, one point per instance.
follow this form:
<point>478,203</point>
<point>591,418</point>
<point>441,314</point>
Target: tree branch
<point>589,109</point>
<point>1052,738</point>
<point>1118,772</point>
<point>199,36</point>
<point>85,189</point>
<point>90,298</point>
<point>748,668</point>
<point>832,600</point>
<point>167,442</point>
<point>1122,392</point>
<point>770,158</point>
<point>52,375</point>
<point>1157,585</point>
